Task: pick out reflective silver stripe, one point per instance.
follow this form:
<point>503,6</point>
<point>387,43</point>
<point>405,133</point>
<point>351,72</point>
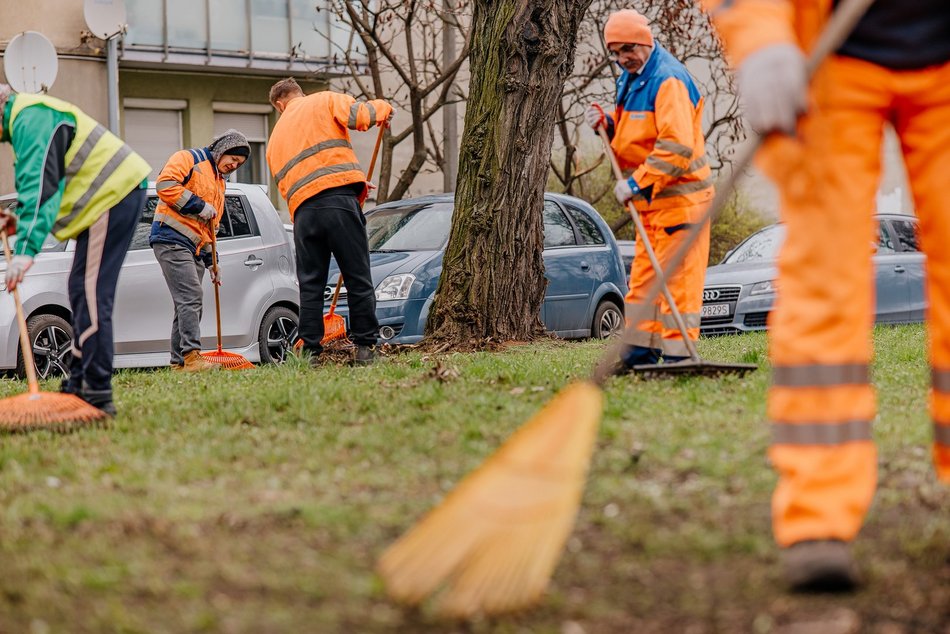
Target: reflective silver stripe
<point>820,433</point>
<point>635,337</point>
<point>941,433</point>
<point>326,171</point>
<point>354,111</point>
<point>182,200</point>
<point>84,150</point>
<point>104,174</point>
<point>637,312</point>
<point>310,151</point>
<point>180,227</point>
<point>685,188</point>
<point>672,170</point>
<point>691,320</point>
<point>674,147</point>
<point>940,380</point>
<point>665,167</point>
<point>820,375</point>
<point>674,347</point>
<point>698,163</point>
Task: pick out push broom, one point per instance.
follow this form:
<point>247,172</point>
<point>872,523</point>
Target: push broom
<point>334,326</point>
<point>227,360</point>
<point>695,365</point>
<point>35,409</point>
<point>492,544</point>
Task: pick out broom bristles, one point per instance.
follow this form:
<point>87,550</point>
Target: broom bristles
<point>47,410</point>
<point>492,545</point>
<point>228,360</point>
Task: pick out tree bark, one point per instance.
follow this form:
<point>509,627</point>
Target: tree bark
<point>492,282</point>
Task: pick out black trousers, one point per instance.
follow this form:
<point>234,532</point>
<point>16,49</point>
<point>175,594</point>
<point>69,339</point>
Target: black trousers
<point>100,251</point>
<point>333,223</point>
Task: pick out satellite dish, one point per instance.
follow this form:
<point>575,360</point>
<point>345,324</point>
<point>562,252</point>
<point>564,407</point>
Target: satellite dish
<point>30,62</point>
<point>105,18</point>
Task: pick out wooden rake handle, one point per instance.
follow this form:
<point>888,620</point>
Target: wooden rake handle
<point>842,22</point>
<point>217,273</point>
<point>25,345</point>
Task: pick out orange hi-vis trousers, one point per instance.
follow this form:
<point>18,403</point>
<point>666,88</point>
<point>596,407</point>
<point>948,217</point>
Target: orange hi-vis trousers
<point>653,324</point>
<point>821,403</point>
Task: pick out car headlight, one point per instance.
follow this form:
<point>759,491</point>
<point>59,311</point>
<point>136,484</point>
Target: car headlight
<point>763,288</point>
<point>395,287</point>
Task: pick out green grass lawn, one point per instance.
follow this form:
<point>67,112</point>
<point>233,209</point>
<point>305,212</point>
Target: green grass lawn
<point>259,501</point>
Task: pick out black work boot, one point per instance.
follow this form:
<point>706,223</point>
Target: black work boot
<point>365,355</point>
<point>100,399</point>
<point>66,387</point>
<point>822,565</point>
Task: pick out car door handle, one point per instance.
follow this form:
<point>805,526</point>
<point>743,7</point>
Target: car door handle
<point>253,260</point>
<point>585,266</point>
<point>899,269</point>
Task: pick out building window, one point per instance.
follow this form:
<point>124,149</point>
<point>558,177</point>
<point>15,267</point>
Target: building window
<point>220,33</point>
<point>153,129</point>
<point>254,126</point>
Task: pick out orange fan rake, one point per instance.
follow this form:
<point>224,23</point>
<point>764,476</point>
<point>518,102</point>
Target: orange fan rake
<point>227,360</point>
<point>333,325</point>
<point>35,409</point>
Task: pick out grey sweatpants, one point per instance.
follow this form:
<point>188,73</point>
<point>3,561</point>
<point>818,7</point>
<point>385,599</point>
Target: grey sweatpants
<point>183,273</point>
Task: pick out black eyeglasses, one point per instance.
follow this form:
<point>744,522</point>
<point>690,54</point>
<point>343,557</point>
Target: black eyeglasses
<point>624,50</point>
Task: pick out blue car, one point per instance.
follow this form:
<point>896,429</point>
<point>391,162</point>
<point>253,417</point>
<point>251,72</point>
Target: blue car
<point>407,239</point>
<point>740,291</point>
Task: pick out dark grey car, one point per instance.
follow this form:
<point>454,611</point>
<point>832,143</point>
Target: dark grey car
<point>739,292</point>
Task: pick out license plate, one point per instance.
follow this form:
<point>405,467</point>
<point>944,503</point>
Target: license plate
<point>715,310</point>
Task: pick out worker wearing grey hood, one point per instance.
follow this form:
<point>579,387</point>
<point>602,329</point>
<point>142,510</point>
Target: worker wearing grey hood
<point>191,188</point>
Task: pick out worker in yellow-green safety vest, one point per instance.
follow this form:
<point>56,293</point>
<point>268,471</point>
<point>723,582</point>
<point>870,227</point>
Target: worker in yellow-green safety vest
<point>76,180</point>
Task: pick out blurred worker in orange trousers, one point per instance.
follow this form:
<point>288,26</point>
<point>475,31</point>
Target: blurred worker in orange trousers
<point>893,69</point>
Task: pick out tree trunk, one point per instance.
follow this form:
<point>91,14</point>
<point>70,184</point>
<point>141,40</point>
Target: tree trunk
<point>492,282</point>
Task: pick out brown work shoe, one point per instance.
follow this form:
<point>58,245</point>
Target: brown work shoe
<point>176,366</point>
<point>822,565</point>
<point>194,362</point>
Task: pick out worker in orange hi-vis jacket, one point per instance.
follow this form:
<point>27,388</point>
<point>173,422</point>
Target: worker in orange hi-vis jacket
<point>893,69</point>
<point>656,133</point>
<point>317,173</point>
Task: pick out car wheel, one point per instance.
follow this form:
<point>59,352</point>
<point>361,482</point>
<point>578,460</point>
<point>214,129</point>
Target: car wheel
<point>51,338</point>
<point>277,334</point>
<point>608,320</point>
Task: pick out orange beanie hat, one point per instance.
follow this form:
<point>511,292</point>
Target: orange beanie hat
<point>627,27</point>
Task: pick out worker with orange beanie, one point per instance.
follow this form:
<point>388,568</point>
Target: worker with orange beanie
<point>656,133</point>
<point>893,69</point>
<point>317,173</point>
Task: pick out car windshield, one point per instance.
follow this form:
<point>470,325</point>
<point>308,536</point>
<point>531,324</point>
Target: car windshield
<point>422,227</point>
<point>758,247</point>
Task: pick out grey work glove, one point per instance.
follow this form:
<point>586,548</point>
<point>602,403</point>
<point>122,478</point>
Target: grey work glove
<point>623,191</point>
<point>215,272</point>
<point>773,85</point>
<point>207,213</point>
<point>595,117</point>
<point>16,269</point>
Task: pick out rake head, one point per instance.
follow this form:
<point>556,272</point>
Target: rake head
<point>333,328</point>
<point>228,360</point>
<point>48,410</point>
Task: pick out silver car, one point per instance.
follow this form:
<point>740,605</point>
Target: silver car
<point>259,296</point>
<point>739,293</point>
